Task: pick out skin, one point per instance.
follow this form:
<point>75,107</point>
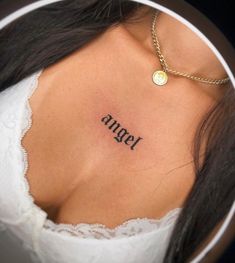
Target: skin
<point>77,172</point>
<point>219,248</point>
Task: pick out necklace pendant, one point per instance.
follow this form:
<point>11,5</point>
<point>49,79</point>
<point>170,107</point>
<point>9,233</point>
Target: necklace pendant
<point>160,77</point>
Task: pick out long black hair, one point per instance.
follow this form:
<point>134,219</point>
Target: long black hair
<point>46,35</point>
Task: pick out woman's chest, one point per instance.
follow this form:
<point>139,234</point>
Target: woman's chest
<point>82,167</point>
<point>110,142</point>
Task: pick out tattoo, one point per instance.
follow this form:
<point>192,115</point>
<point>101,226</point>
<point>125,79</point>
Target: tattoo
<point>121,132</point>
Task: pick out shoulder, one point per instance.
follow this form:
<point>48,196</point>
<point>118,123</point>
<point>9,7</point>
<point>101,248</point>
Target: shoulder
<point>13,99</point>
<point>18,90</point>
<point>219,248</point>
<point>12,107</point>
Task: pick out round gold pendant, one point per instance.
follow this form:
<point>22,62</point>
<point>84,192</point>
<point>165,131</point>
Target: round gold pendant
<point>160,77</point>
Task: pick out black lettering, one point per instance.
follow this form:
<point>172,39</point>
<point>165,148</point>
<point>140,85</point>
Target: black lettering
<point>128,139</point>
<point>121,133</point>
<point>134,144</point>
<point>114,123</point>
<point>107,119</point>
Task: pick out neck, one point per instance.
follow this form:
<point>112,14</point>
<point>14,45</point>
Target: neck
<point>183,49</point>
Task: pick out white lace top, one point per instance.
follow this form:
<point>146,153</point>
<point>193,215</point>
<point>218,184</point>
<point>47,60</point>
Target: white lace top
<point>135,241</point>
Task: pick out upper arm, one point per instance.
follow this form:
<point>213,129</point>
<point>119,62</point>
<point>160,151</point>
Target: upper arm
<point>220,246</point>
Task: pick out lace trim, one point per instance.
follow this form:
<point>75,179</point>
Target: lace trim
<point>27,123</point>
<point>129,228</point>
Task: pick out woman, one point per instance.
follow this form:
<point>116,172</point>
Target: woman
<point>103,159</point>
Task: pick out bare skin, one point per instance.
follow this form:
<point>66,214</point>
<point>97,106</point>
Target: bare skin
<point>77,172</point>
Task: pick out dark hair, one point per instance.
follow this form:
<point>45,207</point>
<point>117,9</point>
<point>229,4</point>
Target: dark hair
<point>46,35</point>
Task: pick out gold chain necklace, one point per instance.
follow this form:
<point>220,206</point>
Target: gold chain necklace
<point>160,77</point>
